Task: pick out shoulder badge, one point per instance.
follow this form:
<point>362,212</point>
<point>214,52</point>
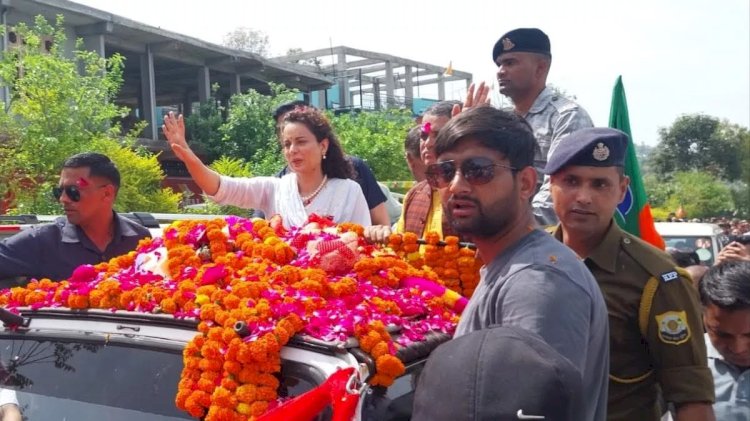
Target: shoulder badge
<point>673,327</point>
<point>601,152</point>
<point>508,44</point>
<point>669,276</point>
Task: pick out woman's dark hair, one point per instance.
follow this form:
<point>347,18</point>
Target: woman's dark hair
<point>285,108</point>
<point>99,166</point>
<point>335,165</point>
<point>498,130</point>
<point>727,285</point>
<point>411,143</point>
<point>441,109</point>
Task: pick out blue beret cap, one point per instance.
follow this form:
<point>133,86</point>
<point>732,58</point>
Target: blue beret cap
<point>591,147</point>
<point>522,40</point>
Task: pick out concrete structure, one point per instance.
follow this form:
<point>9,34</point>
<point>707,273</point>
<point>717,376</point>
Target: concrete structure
<point>370,80</point>
<point>162,68</point>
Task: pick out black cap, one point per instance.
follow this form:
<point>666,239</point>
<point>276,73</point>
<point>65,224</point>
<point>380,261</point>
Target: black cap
<point>522,40</point>
<point>590,147</point>
<point>498,374</point>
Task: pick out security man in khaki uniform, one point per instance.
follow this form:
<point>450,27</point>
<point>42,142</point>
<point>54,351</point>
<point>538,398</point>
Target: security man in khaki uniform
<point>656,334</point>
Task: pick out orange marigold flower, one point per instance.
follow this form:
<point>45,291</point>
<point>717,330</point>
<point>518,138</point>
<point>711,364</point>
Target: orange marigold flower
<point>258,408</point>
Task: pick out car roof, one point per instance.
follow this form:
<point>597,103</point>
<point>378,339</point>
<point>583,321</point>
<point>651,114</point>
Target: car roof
<point>687,229</point>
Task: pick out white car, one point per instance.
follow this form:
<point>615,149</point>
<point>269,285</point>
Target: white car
<point>94,365</point>
<point>705,239</point>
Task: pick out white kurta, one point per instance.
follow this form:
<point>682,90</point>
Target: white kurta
<point>340,198</point>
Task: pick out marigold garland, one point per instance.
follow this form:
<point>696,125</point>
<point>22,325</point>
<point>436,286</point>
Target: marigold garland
<point>457,267</point>
<point>253,285</point>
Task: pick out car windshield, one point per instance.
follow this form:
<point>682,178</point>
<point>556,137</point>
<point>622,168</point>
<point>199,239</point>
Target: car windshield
<point>59,380</point>
<point>56,379</point>
<point>701,245</point>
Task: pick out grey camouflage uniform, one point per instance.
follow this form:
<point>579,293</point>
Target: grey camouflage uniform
<point>552,117</point>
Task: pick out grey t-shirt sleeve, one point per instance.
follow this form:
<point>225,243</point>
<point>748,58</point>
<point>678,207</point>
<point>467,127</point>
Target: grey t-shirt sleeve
<point>538,299</point>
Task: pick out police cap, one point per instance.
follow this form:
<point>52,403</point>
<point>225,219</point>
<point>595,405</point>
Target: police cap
<point>524,40</point>
<point>591,147</point>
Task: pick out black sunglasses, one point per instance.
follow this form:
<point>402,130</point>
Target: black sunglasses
<point>476,171</point>
<point>73,192</point>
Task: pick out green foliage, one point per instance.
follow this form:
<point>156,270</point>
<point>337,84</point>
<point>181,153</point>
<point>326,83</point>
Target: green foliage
<point>378,138</point>
<point>233,167</point>
<point>141,176</point>
<point>741,196</point>
<point>700,144</point>
<point>250,132</point>
<point>700,194</point>
<point>660,214</point>
<point>703,143</point>
<point>61,105</point>
<point>659,190</point>
<point>203,129</point>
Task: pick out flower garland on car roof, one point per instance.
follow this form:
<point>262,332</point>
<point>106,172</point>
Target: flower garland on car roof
<point>254,285</point>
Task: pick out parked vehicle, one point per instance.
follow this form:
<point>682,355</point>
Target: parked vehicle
<point>92,365</point>
<point>705,239</point>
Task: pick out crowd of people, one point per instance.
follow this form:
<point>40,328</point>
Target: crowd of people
<point>582,321</point>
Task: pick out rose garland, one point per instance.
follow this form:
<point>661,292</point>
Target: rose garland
<point>253,286</point>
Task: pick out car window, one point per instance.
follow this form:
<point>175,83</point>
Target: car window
<point>395,402</point>
<point>702,245</point>
<point>55,379</point>
<point>60,380</point>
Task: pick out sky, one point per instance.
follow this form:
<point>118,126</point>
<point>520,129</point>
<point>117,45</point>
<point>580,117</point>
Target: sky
<point>676,57</point>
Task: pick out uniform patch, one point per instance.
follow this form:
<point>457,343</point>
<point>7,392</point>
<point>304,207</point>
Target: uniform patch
<point>673,327</point>
<point>669,276</point>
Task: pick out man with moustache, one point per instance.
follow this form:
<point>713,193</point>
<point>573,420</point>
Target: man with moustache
<point>657,350</point>
<point>89,233</point>
<point>523,59</point>
<point>485,177</point>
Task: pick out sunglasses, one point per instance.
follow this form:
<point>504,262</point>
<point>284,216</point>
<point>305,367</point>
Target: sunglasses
<point>73,192</point>
<point>476,171</point>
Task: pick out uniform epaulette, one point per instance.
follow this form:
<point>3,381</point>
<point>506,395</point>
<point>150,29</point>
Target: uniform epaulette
<point>563,104</point>
<point>654,261</point>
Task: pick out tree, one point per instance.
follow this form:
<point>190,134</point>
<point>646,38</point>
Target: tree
<point>250,132</point>
<point>703,143</point>
<point>140,178</point>
<point>203,128</point>
<point>60,106</point>
<point>700,194</point>
<point>378,138</point>
<point>247,39</point>
<point>316,62</point>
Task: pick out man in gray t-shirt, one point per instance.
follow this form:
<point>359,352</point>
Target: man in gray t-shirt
<point>486,177</point>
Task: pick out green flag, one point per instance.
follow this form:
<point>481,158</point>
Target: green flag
<point>633,213</point>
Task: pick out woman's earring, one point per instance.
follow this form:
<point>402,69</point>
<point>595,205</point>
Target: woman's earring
<point>324,156</point>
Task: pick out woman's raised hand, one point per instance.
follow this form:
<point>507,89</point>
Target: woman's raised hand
<point>174,130</point>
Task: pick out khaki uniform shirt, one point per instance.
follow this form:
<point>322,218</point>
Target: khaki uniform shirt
<point>656,331</point>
